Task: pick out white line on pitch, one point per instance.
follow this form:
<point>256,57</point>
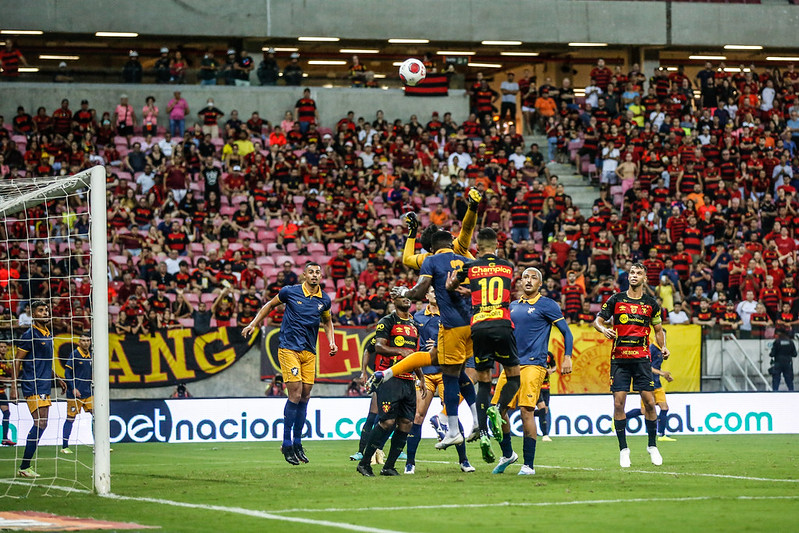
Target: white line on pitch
<point>253,513</point>
<point>533,504</point>
<point>39,485</point>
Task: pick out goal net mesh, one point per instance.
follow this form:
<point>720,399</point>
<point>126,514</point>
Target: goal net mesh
<point>46,255</point>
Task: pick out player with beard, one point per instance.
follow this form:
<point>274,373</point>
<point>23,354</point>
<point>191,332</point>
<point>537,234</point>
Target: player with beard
<point>633,314</point>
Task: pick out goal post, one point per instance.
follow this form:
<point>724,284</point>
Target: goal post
<point>99,264</point>
<point>44,222</point>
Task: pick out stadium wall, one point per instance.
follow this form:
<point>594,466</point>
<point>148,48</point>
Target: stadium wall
<point>261,419</point>
<point>270,102</point>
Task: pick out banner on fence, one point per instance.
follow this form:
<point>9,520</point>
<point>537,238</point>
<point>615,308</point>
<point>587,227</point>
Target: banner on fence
<point>261,419</point>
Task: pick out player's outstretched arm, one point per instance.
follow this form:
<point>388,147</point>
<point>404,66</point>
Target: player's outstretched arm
<point>599,325</point>
<point>262,314</point>
<point>415,293</point>
<point>469,224</point>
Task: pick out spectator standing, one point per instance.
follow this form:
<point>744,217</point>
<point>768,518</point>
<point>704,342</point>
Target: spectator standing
<point>601,74</point>
<point>678,316</point>
<point>305,111</point>
<point>177,68</point>
<point>228,72</point>
<point>210,116</point>
<point>10,59</point>
<point>782,353</point>
<point>150,117</point>
<point>162,67</point>
<point>132,71</point>
<point>610,161</point>
<point>509,89</point>
<point>124,118</point>
<point>208,69</point>
<point>268,70</point>
<point>745,310</point>
<point>292,74</point>
<point>242,68</point>
<point>177,108</point>
<point>357,73</point>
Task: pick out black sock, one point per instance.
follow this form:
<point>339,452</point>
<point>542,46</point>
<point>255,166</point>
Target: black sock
<point>652,431</point>
<point>397,445</point>
<point>663,421</point>
<point>365,430</point>
<point>508,392</point>
<point>414,438</point>
<point>377,437</point>
<point>528,451</point>
<point>542,421</point>
<point>483,402</point>
<point>621,432</point>
<point>461,448</point>
<point>633,413</point>
<point>6,414</point>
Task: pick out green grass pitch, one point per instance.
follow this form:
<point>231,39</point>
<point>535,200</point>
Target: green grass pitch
<point>578,486</point>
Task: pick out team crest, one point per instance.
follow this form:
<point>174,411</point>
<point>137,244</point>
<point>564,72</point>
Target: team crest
<point>295,371</point>
<point>319,307</point>
<point>386,406</point>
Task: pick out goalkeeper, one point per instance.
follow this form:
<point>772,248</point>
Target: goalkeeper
<point>460,246</point>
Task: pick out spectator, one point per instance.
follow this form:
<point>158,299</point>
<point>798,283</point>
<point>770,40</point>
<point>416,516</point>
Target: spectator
<point>208,68</point>
<point>509,89</point>
<point>177,108</point>
<point>162,67</point>
<point>745,310</point>
<point>357,73</point>
<point>150,117</point>
<point>782,354</point>
<point>242,69</point>
<point>132,71</point>
<point>181,392</point>
<point>679,315</point>
<point>268,70</point>
<point>305,111</point>
<point>276,388</point>
<point>177,68</point>
<point>10,60</point>
<point>125,118</point>
<point>63,74</point>
<point>292,73</point>
<point>210,116</point>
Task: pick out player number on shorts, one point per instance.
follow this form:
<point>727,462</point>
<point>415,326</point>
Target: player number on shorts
<point>491,290</point>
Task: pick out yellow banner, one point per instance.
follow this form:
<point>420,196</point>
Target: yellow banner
<point>591,360</point>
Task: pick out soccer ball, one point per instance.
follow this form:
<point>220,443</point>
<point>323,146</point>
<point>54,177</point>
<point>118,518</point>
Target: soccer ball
<point>412,71</point>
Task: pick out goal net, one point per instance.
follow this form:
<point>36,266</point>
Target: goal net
<point>54,357</point>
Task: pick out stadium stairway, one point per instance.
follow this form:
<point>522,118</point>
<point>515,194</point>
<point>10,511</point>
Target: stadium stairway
<point>576,186</point>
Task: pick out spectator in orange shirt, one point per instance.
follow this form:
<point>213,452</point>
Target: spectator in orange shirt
<point>439,217</point>
<point>385,179</point>
<point>545,107</point>
<point>277,137</point>
<point>287,231</point>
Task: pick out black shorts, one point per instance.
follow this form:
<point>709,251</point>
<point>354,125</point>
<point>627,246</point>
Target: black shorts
<point>123,130</point>
<point>543,396</point>
<point>634,375</point>
<point>491,343</point>
<point>396,398</point>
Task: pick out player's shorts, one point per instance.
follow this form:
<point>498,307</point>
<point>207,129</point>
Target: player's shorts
<point>435,383</point>
<point>454,345</point>
<point>38,400</point>
<point>544,396</point>
<point>494,343</point>
<point>75,405</point>
<point>532,377</point>
<point>660,397</point>
<point>636,374</point>
<point>297,366</point>
<point>396,398</point>
<point>470,362</point>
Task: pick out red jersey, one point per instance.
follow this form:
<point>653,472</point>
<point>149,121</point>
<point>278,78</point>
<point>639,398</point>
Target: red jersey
<point>632,319</point>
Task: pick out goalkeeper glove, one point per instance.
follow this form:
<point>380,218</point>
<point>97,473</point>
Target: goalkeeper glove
<point>413,224</point>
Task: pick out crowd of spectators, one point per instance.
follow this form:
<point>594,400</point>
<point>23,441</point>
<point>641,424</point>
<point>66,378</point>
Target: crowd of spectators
<point>209,220</point>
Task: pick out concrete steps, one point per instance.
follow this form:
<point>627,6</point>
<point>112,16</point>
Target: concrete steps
<point>576,186</point>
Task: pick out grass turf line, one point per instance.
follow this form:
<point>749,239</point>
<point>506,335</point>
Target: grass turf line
<point>254,477</point>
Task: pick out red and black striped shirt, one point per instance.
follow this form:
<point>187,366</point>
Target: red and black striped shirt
<point>491,282</point>
<point>632,319</point>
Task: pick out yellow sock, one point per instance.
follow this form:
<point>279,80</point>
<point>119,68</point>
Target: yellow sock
<point>411,363</point>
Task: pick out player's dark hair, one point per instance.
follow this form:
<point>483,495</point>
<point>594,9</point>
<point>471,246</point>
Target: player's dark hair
<point>486,237</point>
<point>35,304</point>
<point>426,238</point>
<point>638,265</point>
<point>441,239</point>
<point>311,264</point>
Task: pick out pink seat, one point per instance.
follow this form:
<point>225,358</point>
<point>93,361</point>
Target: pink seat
<point>208,298</point>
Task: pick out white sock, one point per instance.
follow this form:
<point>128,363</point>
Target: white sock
<point>387,374</point>
<point>473,407</point>
<point>453,430</point>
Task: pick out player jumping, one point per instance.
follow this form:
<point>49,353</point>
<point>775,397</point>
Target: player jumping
<point>78,375</point>
<point>490,280</point>
<point>396,336</point>
<point>633,312</point>
<point>533,316</point>
<point>306,306</point>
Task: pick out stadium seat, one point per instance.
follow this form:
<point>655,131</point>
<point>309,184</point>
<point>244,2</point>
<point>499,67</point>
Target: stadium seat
<point>186,322</point>
<point>208,298</point>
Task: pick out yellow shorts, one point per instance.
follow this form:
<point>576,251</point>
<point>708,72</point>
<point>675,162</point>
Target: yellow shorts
<point>435,383</point>
<point>660,397</point>
<point>38,400</point>
<point>297,366</point>
<point>75,405</point>
<point>454,345</point>
<point>532,377</point>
